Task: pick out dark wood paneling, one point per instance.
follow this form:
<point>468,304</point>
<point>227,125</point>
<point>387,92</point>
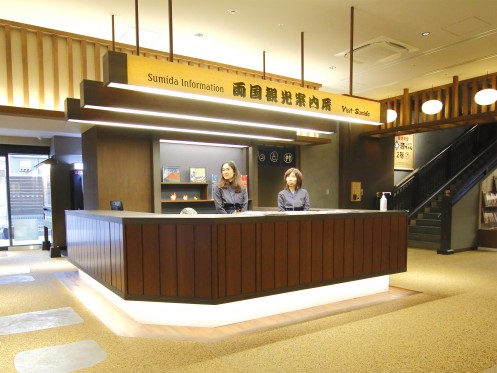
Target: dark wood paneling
<point>267,256</point>
<point>368,245</point>
<point>402,257</point>
<point>221,260</point>
<point>348,254</point>
<point>134,259</point>
<point>249,239</point>
<point>214,261</point>
<point>151,259</point>
<point>328,249</point>
<point>376,265</point>
<point>281,254</point>
<point>203,261</point>
<point>186,260</point>
<point>394,243</point>
<point>168,260</point>
<point>338,247</point>
<point>358,246</point>
<point>233,259</point>
<point>293,253</point>
<point>305,252</point>
<point>385,243</point>
<point>317,251</point>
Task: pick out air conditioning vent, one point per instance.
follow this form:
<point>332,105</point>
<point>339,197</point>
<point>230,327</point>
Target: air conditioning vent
<point>379,50</point>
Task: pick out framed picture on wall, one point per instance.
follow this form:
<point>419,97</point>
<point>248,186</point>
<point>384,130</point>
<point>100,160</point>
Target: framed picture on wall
<point>170,174</point>
<point>197,175</point>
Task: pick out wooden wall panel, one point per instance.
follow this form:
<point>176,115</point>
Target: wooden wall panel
<point>394,243</point>
<point>338,248</point>
<point>348,253</point>
<point>368,245</point>
<point>385,243</point>
<point>203,260</point>
<point>267,256</point>
<point>317,251</point>
<point>402,256</point>
<point>233,259</point>
<point>293,253</point>
<point>134,259</point>
<point>116,255</point>
<point>328,239</point>
<point>221,260</point>
<point>249,266</point>
<point>151,259</point>
<point>305,252</point>
<point>358,247</point>
<point>168,260</point>
<point>186,260</point>
<point>214,262</point>
<point>376,263</point>
<point>281,254</point>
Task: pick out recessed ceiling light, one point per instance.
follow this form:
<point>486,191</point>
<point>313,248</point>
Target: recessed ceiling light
<point>232,11</point>
<point>281,24</point>
<point>199,34</point>
<point>426,33</point>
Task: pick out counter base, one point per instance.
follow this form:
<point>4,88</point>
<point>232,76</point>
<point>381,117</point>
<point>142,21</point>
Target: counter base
<point>211,316</point>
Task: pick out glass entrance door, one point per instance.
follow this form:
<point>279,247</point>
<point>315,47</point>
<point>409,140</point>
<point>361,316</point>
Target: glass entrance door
<point>26,199</point>
<point>4,206</point>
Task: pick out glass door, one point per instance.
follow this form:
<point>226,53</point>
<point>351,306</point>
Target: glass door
<point>4,206</point>
<point>25,191</point>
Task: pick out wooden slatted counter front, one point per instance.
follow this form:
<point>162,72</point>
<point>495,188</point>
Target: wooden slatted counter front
<point>215,259</point>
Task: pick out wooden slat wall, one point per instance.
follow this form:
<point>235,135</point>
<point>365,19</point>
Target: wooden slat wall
<point>212,263</point>
<point>457,98</point>
<point>61,60</point>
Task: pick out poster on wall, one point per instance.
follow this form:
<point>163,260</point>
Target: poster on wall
<point>404,153</point>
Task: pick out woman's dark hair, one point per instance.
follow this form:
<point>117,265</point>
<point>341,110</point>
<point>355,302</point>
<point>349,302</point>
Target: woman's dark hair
<point>236,183</point>
<point>298,175</point>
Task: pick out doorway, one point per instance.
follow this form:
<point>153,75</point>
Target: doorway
<point>21,196</point>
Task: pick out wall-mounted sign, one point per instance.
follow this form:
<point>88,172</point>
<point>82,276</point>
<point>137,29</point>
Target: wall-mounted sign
<point>404,153</point>
<point>169,76</point>
<point>276,156</point>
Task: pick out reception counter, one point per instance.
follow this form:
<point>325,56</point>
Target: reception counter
<point>216,259</point>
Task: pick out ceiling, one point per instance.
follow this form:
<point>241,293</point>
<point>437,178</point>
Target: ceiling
<point>390,52</point>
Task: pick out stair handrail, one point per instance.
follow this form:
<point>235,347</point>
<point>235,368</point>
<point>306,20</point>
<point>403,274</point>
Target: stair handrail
<point>408,187</point>
<point>448,182</point>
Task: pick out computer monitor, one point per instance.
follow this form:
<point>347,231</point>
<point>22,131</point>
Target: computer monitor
<point>116,205</point>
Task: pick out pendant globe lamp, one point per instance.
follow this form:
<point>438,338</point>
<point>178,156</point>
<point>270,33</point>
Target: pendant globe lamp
<point>432,106</point>
<point>391,115</point>
<point>486,96</point>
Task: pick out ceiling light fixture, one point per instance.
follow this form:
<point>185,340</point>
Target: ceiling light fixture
<point>181,130</point>
<point>202,143</point>
<point>426,33</point>
<point>486,96</point>
<point>432,106</point>
<point>391,115</point>
<point>226,101</point>
<point>201,119</point>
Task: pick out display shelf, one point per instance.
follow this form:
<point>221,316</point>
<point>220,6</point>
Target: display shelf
<point>487,232</point>
<point>180,189</point>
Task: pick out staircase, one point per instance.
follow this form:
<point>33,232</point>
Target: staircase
<point>430,192</point>
<point>425,229</point>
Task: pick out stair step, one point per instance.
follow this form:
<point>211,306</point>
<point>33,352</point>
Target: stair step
<point>424,229</point>
<point>423,244</point>
<point>429,215</point>
<point>426,222</point>
<point>433,209</point>
<point>423,237</point>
